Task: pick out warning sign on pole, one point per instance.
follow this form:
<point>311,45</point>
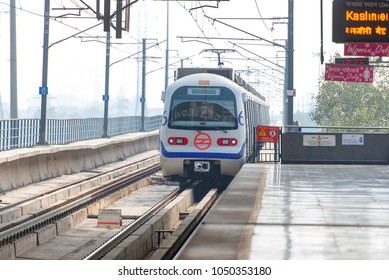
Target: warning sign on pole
<point>267,134</point>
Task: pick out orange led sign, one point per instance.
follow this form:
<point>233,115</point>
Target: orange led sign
<point>360,21</point>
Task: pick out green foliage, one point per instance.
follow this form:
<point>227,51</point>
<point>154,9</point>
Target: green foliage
<point>353,104</point>
<point>303,118</point>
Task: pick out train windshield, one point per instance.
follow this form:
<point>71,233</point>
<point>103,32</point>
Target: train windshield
<point>203,108</point>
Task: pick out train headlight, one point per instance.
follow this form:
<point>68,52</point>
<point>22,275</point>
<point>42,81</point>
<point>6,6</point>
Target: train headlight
<point>227,142</point>
<point>178,141</point>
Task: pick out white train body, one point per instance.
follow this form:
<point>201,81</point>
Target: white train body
<point>204,129</point>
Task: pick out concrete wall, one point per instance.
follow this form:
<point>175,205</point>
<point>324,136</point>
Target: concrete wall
<point>25,166</point>
<point>374,151</point>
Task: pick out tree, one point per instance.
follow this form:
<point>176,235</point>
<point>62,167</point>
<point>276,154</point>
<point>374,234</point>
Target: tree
<point>354,104</point>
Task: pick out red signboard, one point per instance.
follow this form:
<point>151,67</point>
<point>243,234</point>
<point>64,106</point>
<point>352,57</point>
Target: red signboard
<point>349,73</point>
<point>366,49</point>
<point>267,134</point>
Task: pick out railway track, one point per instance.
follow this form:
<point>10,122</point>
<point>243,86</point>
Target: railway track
<point>51,214</point>
<point>70,223</point>
<point>162,236</point>
<point>113,242</point>
<point>29,217</point>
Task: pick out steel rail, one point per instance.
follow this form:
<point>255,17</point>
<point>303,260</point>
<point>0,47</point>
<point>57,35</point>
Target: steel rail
<point>72,205</point>
<point>101,251</point>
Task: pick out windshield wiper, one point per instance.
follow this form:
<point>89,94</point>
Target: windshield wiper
<point>197,128</point>
<point>217,128</point>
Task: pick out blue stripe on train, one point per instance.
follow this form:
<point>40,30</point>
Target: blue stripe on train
<point>167,154</point>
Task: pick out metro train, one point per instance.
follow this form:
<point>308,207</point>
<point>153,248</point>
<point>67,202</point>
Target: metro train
<point>208,123</point>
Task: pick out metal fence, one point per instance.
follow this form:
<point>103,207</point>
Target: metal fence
<point>335,145</point>
<point>339,129</point>
<point>24,133</point>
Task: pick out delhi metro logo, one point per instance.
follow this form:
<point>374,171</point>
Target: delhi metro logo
<point>241,118</point>
<point>202,141</point>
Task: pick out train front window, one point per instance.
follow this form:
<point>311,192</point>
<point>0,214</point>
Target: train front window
<point>205,108</point>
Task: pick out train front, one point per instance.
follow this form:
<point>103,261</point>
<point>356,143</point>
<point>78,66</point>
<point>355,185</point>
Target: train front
<point>203,128</point>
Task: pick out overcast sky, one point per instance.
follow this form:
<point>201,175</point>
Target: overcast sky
<point>77,65</point>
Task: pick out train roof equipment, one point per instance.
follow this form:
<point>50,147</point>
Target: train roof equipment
<point>224,72</point>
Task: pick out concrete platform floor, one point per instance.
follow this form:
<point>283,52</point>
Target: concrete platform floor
<point>325,212</point>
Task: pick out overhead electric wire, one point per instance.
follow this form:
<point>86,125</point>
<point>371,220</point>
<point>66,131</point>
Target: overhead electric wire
<point>248,33</point>
<point>170,64</point>
<point>21,9</point>
<point>265,59</point>
<point>252,18</point>
<point>260,14</point>
<point>220,38</point>
<point>156,44</point>
<point>71,36</point>
<point>51,17</point>
<point>68,25</point>
<point>202,31</point>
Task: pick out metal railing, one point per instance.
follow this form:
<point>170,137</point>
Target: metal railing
<point>336,129</point>
<point>24,133</point>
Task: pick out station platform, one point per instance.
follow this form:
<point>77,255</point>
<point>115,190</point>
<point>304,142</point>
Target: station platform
<point>297,211</point>
<point>21,167</point>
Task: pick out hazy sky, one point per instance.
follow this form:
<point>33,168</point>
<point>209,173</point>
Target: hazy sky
<point>77,65</point>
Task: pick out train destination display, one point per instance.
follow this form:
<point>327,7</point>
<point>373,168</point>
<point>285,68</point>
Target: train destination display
<point>360,21</point>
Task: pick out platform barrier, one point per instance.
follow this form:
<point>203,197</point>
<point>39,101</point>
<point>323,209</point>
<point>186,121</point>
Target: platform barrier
<point>21,167</point>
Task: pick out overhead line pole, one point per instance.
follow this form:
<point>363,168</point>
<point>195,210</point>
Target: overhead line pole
<point>13,76</point>
<point>167,46</point>
<point>106,93</point>
<point>13,64</point>
<point>143,98</point>
<point>321,33</point>
<point>290,53</point>
<point>43,90</point>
